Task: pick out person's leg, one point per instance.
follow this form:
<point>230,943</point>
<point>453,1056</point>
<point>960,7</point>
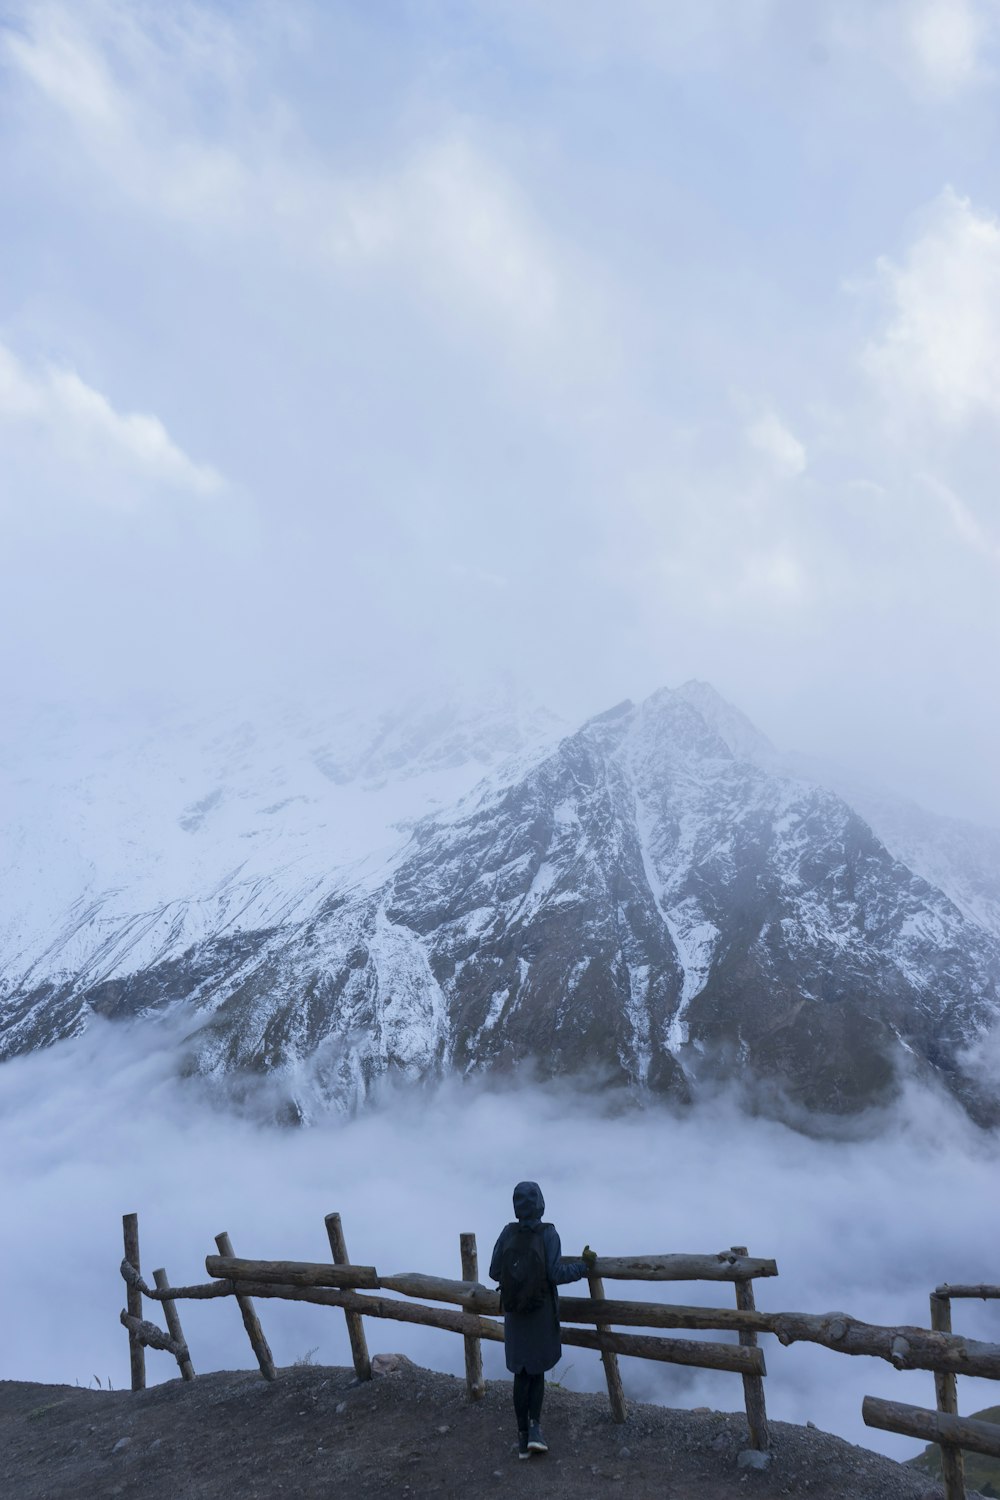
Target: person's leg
<point>536,1394</point>
<point>522,1402</point>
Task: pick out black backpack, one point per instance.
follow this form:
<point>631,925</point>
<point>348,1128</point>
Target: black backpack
<point>523,1275</point>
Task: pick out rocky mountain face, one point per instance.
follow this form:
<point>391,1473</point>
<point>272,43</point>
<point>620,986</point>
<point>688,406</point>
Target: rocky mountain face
<point>652,901</point>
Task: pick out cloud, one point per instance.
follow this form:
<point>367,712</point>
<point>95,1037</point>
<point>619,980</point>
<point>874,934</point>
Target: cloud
<point>54,57</point>
<point>939,47</point>
<point>776,575</point>
<point>964,521</point>
<point>439,214</point>
<point>694,33</point>
<point>938,354</point>
<point>70,416</point>
<point>770,436</point>
<point>450,210</point>
<point>947,38</point>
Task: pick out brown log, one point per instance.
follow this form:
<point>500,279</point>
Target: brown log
<point>753,1385</point>
<point>133,1300</point>
<point>290,1272</point>
<point>906,1348</point>
<point>147,1333</point>
<point>659,1315</point>
<point>381,1307</point>
<point>945,1388</point>
<point>985,1292</point>
<point>468,1294</point>
<point>355,1327</point>
<point>173,1318</point>
<point>251,1322</point>
<point>694,1352</point>
<point>722,1267</point>
<point>932,1426</point>
<point>475,1385</point>
<point>176,1293</point>
<point>612,1374</point>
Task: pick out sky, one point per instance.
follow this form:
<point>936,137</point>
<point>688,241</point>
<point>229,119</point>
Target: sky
<point>104,1128</point>
<point>604,345</point>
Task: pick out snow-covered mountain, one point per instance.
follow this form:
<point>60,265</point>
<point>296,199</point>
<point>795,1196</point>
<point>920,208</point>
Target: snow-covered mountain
<point>652,899</point>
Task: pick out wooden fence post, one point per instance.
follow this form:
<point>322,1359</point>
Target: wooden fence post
<point>753,1385</point>
<point>251,1322</point>
<point>133,1302</point>
<point>355,1325</point>
<point>475,1386</point>
<point>612,1374</point>
<point>173,1321</point>
<point>952,1458</point>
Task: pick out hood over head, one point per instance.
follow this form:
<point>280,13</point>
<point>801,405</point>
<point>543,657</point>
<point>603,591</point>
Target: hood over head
<point>528,1201</point>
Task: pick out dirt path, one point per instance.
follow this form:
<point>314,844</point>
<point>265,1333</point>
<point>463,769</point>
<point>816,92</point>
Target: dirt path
<point>314,1432</point>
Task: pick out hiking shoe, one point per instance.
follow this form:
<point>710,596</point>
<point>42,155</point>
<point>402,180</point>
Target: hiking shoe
<point>522,1445</point>
<point>536,1443</point>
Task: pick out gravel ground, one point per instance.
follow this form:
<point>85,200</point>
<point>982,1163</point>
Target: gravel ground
<point>316,1432</point>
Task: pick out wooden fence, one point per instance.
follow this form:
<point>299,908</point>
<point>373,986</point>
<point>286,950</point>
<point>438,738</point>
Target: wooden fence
<point>943,1426</point>
<point>474,1309</point>
<point>340,1283</point>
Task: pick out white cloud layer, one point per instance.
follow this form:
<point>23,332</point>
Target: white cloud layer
<point>938,355</point>
<point>937,46</point>
<point>770,436</point>
<point>95,1128</point>
<point>948,37</point>
<point>439,213</point>
<point>64,413</point>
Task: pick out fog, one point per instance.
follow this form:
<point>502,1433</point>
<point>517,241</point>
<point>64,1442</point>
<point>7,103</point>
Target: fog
<point>99,1126</point>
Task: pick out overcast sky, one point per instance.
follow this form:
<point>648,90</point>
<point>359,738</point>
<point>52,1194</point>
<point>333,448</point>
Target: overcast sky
<point>613,344</point>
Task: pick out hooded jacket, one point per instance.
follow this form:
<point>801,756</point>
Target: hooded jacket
<point>531,1340</point>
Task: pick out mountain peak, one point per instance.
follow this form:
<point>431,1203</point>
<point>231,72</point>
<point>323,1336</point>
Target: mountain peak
<point>743,738</point>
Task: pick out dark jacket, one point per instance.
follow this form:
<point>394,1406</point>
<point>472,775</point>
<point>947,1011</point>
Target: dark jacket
<point>531,1340</point>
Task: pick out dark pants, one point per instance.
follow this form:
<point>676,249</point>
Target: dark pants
<point>529,1391</point>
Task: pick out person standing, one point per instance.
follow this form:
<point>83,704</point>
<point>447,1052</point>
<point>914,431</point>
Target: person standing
<point>528,1264</point>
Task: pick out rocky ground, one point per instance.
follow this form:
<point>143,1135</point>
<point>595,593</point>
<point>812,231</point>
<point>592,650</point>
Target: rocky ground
<point>316,1432</point>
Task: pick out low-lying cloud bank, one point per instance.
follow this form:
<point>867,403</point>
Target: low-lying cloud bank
<point>100,1126</point>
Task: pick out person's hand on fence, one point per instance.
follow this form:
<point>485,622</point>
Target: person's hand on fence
<point>589,1257</point>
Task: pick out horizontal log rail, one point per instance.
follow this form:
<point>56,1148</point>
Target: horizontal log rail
<point>932,1426</point>
<point>470,1294</point>
<point>698,1353</point>
<point>291,1272</point>
<point>906,1348</point>
<point>183,1293</point>
<point>725,1266</point>
<point>612,1268</point>
<point>986,1293</point>
<point>660,1315</point>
